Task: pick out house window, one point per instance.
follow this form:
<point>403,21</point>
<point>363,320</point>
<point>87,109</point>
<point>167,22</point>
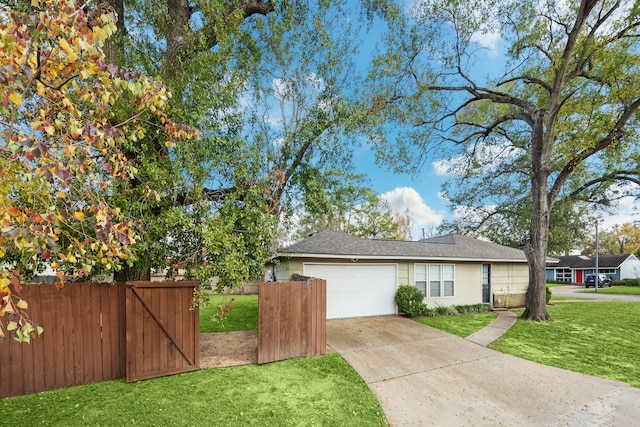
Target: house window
<point>421,277</point>
<point>563,275</point>
<point>435,280</point>
<point>447,280</point>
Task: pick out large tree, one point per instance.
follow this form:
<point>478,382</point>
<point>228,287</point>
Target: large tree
<point>62,149</point>
<point>565,102</point>
<point>267,93</point>
<point>349,205</point>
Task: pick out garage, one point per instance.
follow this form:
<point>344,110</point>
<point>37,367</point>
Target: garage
<point>357,290</point>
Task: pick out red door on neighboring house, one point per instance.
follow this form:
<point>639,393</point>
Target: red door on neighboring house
<point>578,276</point>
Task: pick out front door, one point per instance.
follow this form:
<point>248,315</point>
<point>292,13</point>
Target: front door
<point>486,283</point>
<point>578,276</point>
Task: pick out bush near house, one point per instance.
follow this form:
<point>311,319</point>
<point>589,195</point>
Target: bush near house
<point>410,301</point>
<point>627,282</point>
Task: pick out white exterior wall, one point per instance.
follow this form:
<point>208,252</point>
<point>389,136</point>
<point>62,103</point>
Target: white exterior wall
<point>630,268</point>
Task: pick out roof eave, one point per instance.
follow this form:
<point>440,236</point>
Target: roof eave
<point>394,257</point>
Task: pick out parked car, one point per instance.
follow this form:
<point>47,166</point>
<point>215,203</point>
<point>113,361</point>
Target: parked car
<point>603,280</point>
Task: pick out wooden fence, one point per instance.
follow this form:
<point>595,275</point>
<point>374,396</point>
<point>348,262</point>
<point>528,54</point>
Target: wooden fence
<point>84,339</point>
<point>292,319</point>
<point>163,334</point>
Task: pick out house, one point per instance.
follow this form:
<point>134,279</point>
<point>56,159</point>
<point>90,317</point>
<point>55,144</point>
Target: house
<point>574,268</point>
<point>363,274</point>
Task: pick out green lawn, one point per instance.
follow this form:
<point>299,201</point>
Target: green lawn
<point>315,391</point>
<point>242,317</point>
<point>461,325</point>
<point>616,290</point>
<point>596,338</point>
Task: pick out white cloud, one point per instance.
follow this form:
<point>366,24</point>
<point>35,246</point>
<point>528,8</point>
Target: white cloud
<point>623,211</point>
<point>488,40</point>
<point>441,167</point>
<point>402,198</point>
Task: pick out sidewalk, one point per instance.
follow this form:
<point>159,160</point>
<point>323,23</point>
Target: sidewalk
<point>494,330</point>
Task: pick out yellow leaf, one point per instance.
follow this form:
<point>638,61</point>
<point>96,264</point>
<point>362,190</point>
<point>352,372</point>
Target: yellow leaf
<point>79,216</point>
<point>22,304</point>
<point>99,34</point>
<point>50,130</point>
<point>15,98</point>
<point>73,57</point>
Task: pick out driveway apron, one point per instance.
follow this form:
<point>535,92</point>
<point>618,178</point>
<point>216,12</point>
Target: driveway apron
<point>426,377</point>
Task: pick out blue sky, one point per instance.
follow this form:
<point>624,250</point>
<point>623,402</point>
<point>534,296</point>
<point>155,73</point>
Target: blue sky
<point>420,192</point>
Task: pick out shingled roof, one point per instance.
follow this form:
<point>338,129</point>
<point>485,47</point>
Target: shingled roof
<point>583,261</point>
<point>335,244</point>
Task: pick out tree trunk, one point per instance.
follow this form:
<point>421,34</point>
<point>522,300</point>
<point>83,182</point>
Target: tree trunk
<point>130,274</point>
<point>536,250</point>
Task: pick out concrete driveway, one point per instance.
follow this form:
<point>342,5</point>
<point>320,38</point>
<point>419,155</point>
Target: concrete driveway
<point>426,377</point>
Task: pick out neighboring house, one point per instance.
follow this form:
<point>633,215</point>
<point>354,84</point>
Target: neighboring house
<point>363,274</point>
<point>574,268</point>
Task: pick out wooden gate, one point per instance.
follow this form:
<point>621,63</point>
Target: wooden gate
<point>162,338</point>
<point>292,319</point>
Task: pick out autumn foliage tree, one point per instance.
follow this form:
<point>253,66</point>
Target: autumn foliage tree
<point>61,149</point>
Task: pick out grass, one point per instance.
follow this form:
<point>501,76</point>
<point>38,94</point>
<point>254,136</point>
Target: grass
<point>594,338</point>
<point>616,290</point>
<point>461,325</point>
<point>554,298</point>
<point>242,317</point>
<point>315,391</point>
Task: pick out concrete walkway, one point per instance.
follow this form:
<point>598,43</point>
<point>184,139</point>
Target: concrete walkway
<point>494,330</point>
<point>426,377</point>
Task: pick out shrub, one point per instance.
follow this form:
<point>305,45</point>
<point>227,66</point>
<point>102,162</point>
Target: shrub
<point>445,310</point>
<point>627,282</point>
<point>410,301</point>
<point>463,309</point>
<point>548,294</point>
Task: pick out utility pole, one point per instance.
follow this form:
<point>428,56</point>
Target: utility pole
<point>597,250</point>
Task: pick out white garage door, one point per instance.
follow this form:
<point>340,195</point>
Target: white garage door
<point>357,290</point>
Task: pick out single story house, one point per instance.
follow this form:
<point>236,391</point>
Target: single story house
<point>363,274</point>
<point>574,268</point>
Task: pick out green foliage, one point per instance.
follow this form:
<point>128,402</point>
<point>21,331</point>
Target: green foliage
<point>410,300</point>
<point>548,294</point>
<point>524,171</point>
<point>627,282</point>
<point>473,308</point>
<point>445,310</point>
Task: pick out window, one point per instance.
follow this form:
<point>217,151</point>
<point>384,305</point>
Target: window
<point>448,279</point>
<point>439,277</point>
<point>564,274</point>
<point>421,278</point>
